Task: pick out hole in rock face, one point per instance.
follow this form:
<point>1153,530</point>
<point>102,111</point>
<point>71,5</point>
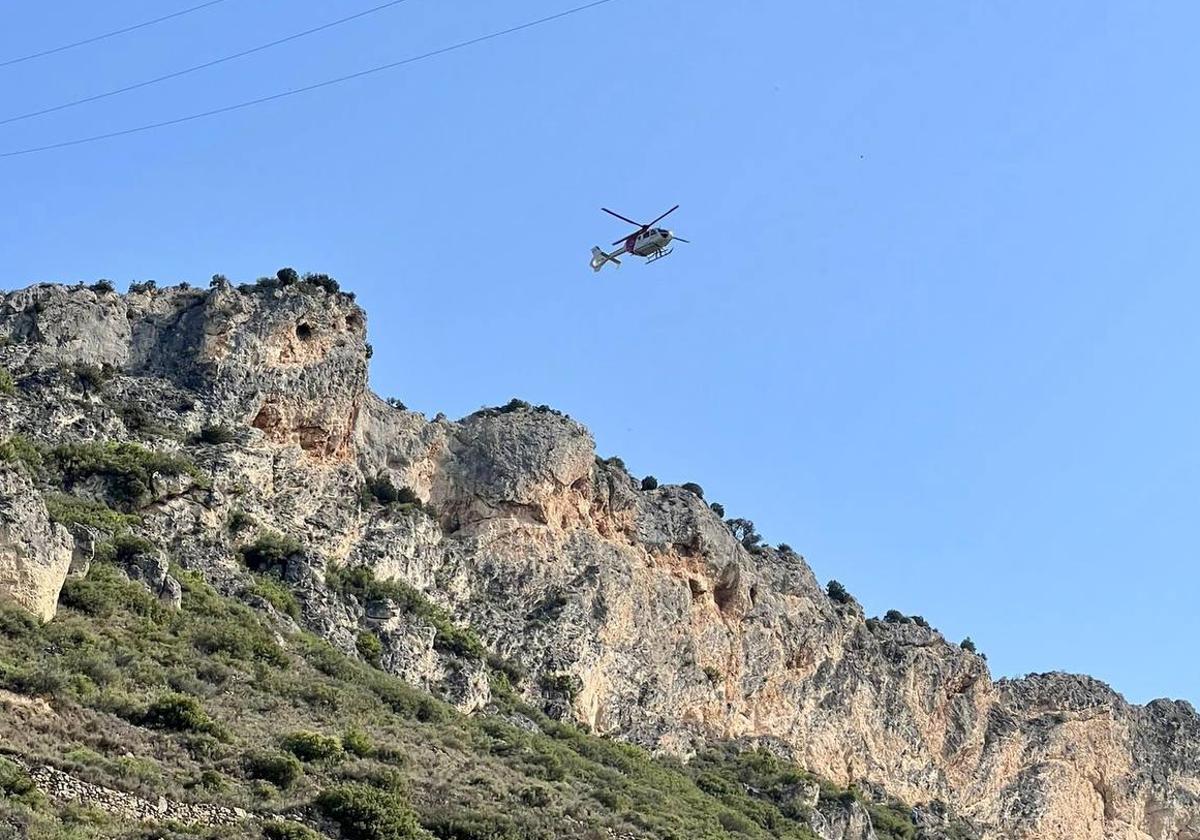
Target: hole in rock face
<point>354,322</point>
<point>304,332</point>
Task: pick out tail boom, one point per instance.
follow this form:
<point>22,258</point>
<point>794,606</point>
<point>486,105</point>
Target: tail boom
<point>600,258</point>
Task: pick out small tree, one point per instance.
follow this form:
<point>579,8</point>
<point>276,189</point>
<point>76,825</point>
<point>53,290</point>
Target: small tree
<point>743,532</point>
<point>718,509</point>
<point>838,593</point>
<point>649,483</point>
<point>893,617</point>
<point>396,404</point>
<point>968,645</point>
<point>920,621</point>
<point>287,276</point>
<point>218,280</point>
<point>693,487</point>
<point>102,287</point>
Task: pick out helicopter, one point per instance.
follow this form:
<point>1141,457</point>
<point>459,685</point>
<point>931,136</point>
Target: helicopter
<point>648,241</point>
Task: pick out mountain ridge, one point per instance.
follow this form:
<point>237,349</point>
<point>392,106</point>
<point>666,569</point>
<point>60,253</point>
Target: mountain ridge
<point>634,612</point>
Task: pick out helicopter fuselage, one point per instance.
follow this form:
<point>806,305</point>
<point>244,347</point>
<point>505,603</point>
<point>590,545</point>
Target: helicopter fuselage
<point>648,243</point>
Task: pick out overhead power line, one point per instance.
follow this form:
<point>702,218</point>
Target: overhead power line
<point>144,24</point>
<point>307,88</point>
<point>204,66</point>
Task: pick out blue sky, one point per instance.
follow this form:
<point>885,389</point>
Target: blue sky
<point>937,329</point>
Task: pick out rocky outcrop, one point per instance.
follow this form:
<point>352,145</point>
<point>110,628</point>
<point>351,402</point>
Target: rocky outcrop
<point>637,613</point>
<point>35,555</point>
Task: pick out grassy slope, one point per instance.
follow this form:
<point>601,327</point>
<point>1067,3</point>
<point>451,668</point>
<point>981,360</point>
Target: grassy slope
<point>199,705</point>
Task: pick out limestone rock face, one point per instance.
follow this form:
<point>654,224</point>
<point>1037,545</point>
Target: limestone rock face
<point>35,555</point>
<point>636,613</point>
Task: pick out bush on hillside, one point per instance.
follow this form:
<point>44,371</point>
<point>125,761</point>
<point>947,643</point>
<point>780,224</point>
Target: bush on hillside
<point>270,553</point>
<point>649,483</point>
<point>838,593</point>
<point>367,813</point>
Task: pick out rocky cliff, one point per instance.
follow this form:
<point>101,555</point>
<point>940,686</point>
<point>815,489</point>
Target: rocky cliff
<point>634,612</point>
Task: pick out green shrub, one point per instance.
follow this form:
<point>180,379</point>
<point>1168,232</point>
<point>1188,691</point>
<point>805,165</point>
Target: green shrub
<point>322,281</point>
<point>967,645</point>
<point>90,377</point>
<point>272,590</point>
<point>718,509</point>
<point>568,685</point>
<point>694,488</point>
<point>73,510</point>
<point>144,286</point>
<point>358,743</point>
<point>17,786</point>
<point>360,582</point>
<point>312,746</point>
<point>106,591</point>
<point>382,490</point>
<point>270,552</point>
<point>127,468</point>
<point>838,593</point>
<point>102,287</point>
<point>649,483</point>
<point>125,549</point>
<point>287,276</point>
<point>288,830</point>
<point>177,713</point>
<point>7,386</point>
<point>278,768</point>
<point>215,435</point>
<point>239,521</point>
<point>396,404</point>
<point>920,621</point>
<point>893,617</point>
<point>22,452</point>
<point>367,813</point>
<point>369,647</point>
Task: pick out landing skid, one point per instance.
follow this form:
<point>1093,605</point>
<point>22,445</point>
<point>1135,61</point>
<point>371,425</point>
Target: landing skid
<point>658,255</point>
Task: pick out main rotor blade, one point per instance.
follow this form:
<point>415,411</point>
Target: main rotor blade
<point>675,238</point>
<point>663,216</point>
<point>623,219</point>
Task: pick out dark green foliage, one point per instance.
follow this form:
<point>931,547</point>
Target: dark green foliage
<point>358,743</point>
<point>102,287</point>
<point>23,452</point>
<point>73,510</point>
<point>920,621</point>
<point>288,830</point>
<point>323,281</point>
<point>367,813</point>
<point>396,404</point>
<point>568,685</point>
<point>127,468</point>
<point>894,617</point>
<point>218,280</point>
<point>105,592</point>
<point>275,592</point>
<point>7,386</point>
<point>361,583</point>
<point>215,435</point>
<point>270,552</point>
<point>239,521</point>
<point>381,489</point>
<point>718,509</point>
<point>312,746</point>
<point>126,549</point>
<point>287,276</point>
<point>369,350</point>
<point>784,548</point>
<point>279,768</point>
<point>838,593</point>
<point>743,531</point>
<point>90,377</point>
<point>136,288</point>
<point>615,463</point>
<point>177,713</point>
<point>141,422</point>
<point>694,488</point>
<point>649,483</point>
<point>968,645</point>
<point>369,647</point>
